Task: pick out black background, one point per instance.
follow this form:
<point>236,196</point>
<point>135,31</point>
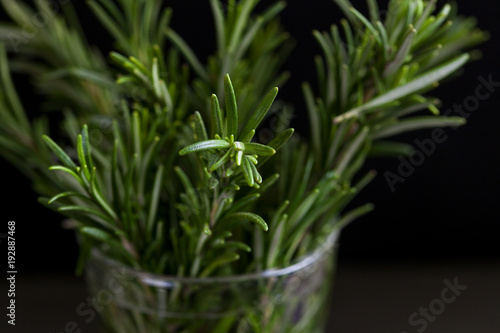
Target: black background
<point>447,210</point>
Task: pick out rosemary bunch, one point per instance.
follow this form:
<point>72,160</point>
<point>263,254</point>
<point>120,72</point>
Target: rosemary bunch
<point>166,189</point>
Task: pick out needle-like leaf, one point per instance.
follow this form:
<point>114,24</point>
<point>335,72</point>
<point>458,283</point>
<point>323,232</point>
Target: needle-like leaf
<point>204,145</point>
<point>65,159</point>
<point>217,120</point>
<point>231,107</point>
<point>258,149</point>
<point>419,83</point>
<point>258,115</point>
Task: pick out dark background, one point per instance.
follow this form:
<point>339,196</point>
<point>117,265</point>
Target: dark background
<point>443,221</point>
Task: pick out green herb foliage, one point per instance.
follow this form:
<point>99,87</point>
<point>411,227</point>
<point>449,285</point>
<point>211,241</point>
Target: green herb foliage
<point>168,189</point>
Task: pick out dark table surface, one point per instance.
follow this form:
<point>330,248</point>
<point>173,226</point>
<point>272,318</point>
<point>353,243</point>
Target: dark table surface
<point>368,297</point>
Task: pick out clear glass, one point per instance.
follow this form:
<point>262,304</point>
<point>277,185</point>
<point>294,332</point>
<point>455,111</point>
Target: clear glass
<point>294,299</point>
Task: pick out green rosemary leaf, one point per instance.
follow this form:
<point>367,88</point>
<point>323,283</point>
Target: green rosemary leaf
<point>167,97</point>
<point>247,171</point>
<point>267,183</point>
<point>86,146</point>
<point>244,11</point>
<point>109,23</point>
<point>121,60</point>
<point>235,245</point>
<point>430,29</point>
<point>304,181</point>
<point>231,107</point>
<point>219,24</point>
<point>123,154</point>
<point>403,111</point>
<point>163,25</point>
<point>281,139</point>
<point>107,238</point>
<point>362,55</point>
<point>11,97</point>
<point>204,145</point>
<point>303,208</point>
<point>258,149</point>
<point>326,46</point>
<point>222,160</point>
<point>349,36</point>
<point>345,6</point>
<point>114,11</point>
<point>21,13</point>
<point>417,84</point>
<point>213,158</point>
<point>188,186</point>
<point>199,127</point>
<point>69,171</point>
<point>345,85</point>
<point>136,135</point>
<point>416,123</point>
<point>365,180</point>
<point>380,84</point>
<point>222,260</point>
<point>124,79</point>
<point>337,45</point>
<point>385,39</point>
<point>253,159</point>
<point>353,215</point>
<point>154,201</point>
<point>65,195</point>
<point>99,79</point>
<point>141,67</point>
<point>217,120</point>
<point>256,175</point>
<point>273,11</point>
<point>351,149</point>
<point>315,123</point>
<point>142,77</point>
<point>258,115</point>
<point>390,149</point>
<point>277,143</point>
<point>130,190</point>
<point>423,17</point>
<point>248,38</point>
<point>96,193</point>
<point>156,78</point>
<point>65,159</point>
<point>401,56</point>
<point>339,133</point>
<point>358,160</point>
<point>276,242</point>
<point>117,190</point>
<point>243,203</point>
<point>248,137</point>
<point>144,167</point>
<point>367,24</point>
<point>231,220</point>
<point>90,211</point>
<point>374,10</point>
<point>81,157</point>
<point>149,19</point>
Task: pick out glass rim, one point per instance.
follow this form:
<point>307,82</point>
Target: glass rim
<point>169,281</point>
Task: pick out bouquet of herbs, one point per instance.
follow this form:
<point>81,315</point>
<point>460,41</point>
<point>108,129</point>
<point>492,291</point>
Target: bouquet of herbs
<point>156,157</point>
